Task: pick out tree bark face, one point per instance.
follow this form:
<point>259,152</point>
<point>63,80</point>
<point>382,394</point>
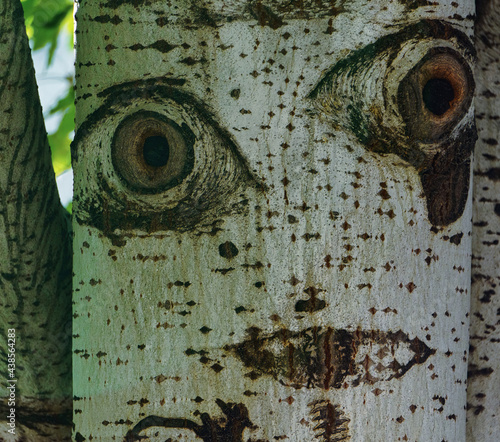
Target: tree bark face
<point>483,401</point>
<point>35,251</point>
<point>272,225</point>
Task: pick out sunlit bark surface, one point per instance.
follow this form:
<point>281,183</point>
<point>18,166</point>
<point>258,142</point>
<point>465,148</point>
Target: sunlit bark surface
<point>272,220</point>
<point>483,392</point>
<point>35,254</point>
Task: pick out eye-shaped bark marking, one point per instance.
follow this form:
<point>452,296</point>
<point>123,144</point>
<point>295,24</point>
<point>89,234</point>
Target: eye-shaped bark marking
<point>151,152</point>
<point>212,430</point>
<point>433,98</point>
<point>419,109</point>
<point>435,95</point>
<point>161,162</point>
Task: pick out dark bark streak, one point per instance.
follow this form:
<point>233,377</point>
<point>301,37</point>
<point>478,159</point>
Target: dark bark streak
<point>483,8</point>
<point>267,12</point>
<point>41,414</point>
<point>229,429</point>
<point>265,16</point>
<point>446,180</point>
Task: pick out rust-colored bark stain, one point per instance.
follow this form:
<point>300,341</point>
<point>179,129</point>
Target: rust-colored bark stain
<point>330,423</point>
<point>326,358</point>
<point>228,429</point>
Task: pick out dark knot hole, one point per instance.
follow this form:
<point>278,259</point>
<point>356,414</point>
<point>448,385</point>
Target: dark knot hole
<point>156,151</point>
<point>437,95</point>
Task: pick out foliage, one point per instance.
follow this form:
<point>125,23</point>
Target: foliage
<point>60,140</point>
<point>45,21</point>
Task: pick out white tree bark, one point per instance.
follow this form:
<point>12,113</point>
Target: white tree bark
<point>483,392</point>
<point>299,266</point>
<point>35,256</point>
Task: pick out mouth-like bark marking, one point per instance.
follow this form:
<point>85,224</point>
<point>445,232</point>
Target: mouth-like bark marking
<point>329,358</point>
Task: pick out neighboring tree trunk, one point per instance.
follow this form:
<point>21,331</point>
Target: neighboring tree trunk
<point>272,220</point>
<point>483,392</point>
<point>35,256</point>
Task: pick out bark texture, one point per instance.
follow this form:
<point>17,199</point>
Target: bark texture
<point>483,393</point>
<point>272,220</point>
<point>35,263</point>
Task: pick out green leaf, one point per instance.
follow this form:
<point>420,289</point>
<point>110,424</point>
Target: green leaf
<point>60,142</point>
<point>56,20</point>
<point>44,21</point>
<point>66,102</point>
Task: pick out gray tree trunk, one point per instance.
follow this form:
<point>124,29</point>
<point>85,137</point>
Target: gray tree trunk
<point>483,392</point>
<point>272,225</point>
<point>272,220</point>
<point>35,256</point>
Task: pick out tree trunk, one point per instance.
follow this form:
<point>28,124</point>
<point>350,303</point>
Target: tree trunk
<point>483,392</point>
<point>272,220</point>
<point>35,256</point>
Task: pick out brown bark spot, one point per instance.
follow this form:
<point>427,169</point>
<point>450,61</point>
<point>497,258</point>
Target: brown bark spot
<point>410,286</point>
<point>228,250</point>
<point>311,305</point>
<point>384,194</point>
<point>346,225</point>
